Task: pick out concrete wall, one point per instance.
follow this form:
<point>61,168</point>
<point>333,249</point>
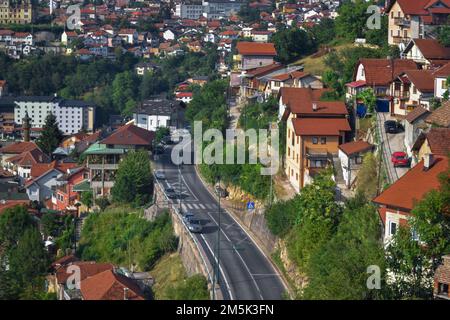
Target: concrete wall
<point>191,252</point>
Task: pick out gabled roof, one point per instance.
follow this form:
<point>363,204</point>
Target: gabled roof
<point>416,113</point>
<point>87,269</point>
<point>416,7</point>
<point>384,71</point>
<point>413,186</point>
<point>422,79</point>
<point>431,49</point>
<point>130,135</point>
<point>18,147</point>
<point>109,285</point>
<point>256,49</point>
<point>301,100</point>
<point>260,71</point>
<point>439,140</point>
<point>442,72</point>
<point>354,147</point>
<point>29,158</point>
<point>320,126</point>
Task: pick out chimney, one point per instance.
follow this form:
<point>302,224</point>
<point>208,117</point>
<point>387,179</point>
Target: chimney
<point>125,293</point>
<point>428,160</point>
<point>314,106</point>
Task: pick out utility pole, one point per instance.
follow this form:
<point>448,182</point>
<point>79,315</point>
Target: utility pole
<point>217,268</point>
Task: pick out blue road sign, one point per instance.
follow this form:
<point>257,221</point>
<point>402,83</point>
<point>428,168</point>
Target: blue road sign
<point>250,205</point>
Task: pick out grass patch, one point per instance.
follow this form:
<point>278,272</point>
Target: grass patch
<point>316,65</point>
<point>168,271</point>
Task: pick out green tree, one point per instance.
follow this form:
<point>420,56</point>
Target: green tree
<point>352,19</point>
<point>50,136</point>
<point>369,99</point>
<point>338,270</point>
<point>324,31</point>
<point>87,198</point>
<point>103,203</point>
<point>444,34</point>
<point>292,43</point>
<point>367,178</point>
<point>134,180</point>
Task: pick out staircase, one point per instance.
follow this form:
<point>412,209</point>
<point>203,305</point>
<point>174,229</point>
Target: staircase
<point>338,175</point>
<point>78,228</point>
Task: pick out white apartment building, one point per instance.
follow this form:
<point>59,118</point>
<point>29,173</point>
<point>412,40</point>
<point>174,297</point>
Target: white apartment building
<point>154,114</point>
<point>71,115</point>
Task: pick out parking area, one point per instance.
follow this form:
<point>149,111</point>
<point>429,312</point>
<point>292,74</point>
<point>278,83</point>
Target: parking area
<point>392,142</point>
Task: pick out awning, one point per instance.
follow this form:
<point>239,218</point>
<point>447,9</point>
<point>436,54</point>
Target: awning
<point>84,185</point>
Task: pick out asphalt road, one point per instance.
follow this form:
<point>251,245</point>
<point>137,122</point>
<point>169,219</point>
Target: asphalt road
<point>245,272</point>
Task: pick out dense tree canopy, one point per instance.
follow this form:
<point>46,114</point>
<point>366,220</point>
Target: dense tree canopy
<point>51,136</point>
<point>292,44</point>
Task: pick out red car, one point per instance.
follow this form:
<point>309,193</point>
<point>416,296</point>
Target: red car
<point>400,159</point>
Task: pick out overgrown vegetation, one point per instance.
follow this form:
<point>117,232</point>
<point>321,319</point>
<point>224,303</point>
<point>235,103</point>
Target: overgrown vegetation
<point>123,237</point>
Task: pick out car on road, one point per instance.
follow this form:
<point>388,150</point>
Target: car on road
<point>400,159</point>
<point>221,192</point>
<point>391,126</point>
<point>169,190</point>
<point>195,225</point>
<point>172,195</point>
<point>188,216</point>
<point>159,174</point>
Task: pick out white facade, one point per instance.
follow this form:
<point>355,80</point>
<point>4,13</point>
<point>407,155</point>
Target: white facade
<point>168,35</point>
<point>440,87</point>
<point>150,122</point>
<point>70,118</point>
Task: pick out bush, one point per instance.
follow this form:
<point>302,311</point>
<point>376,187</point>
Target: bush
<point>193,288</point>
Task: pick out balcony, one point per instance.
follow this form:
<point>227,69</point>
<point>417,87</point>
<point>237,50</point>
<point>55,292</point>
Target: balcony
<point>317,153</point>
<point>401,95</point>
<point>105,166</point>
<point>402,22</point>
<point>399,39</point>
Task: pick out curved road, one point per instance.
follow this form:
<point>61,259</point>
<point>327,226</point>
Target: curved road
<point>245,272</point>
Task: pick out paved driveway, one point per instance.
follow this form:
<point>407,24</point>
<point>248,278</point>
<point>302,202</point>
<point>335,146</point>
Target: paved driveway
<point>391,144</point>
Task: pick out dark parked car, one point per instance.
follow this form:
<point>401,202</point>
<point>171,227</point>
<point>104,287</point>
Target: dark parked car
<point>188,216</point>
<point>391,126</point>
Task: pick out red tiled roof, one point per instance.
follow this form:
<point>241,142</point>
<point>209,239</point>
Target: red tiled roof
<point>422,79</point>
<point>29,158</point>
<point>356,84</point>
<point>320,126</point>
<point>256,49</point>
<point>442,72</point>
<point>416,113</point>
<point>130,135</point>
<point>355,147</point>
<point>18,147</point>
<point>416,7</point>
<point>439,140</point>
<point>440,116</point>
<point>87,269</point>
<point>432,49</point>
<point>261,71</point>
<point>108,285</point>
<point>301,100</point>
<point>380,72</point>
<point>413,186</point>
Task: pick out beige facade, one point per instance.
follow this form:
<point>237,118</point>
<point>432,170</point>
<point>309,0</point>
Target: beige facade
<point>22,13</point>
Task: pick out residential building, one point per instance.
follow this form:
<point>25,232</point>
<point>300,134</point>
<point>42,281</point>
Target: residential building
<point>12,12</point>
<point>145,67</point>
<point>71,115</point>
<point>21,164</point>
<point>414,126</point>
<point>415,19</point>
<point>43,179</point>
<point>315,129</point>
<point>252,55</point>
<point>351,156</point>
<point>129,36</point>
<point>398,200</point>
<point>102,158</point>
<point>99,281</point>
<point>14,149</point>
<point>436,141</point>
<point>411,89</point>
<point>428,53</point>
<point>153,114</point>
<point>378,75</point>
<point>441,85</point>
<point>216,9</point>
<point>442,279</point>
<point>441,116</point>
<point>67,193</point>
<point>189,9</point>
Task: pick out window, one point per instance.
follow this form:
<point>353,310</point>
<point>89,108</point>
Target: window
<point>392,228</point>
<point>315,140</point>
<point>358,159</point>
<point>323,140</point>
<point>444,84</point>
<point>414,89</point>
